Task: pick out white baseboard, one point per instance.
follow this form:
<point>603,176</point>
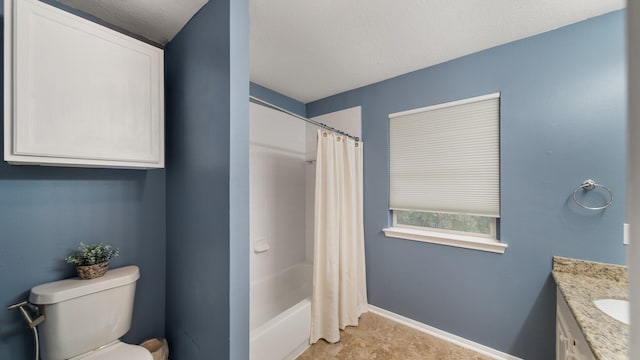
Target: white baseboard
<point>454,339</point>
<point>298,351</point>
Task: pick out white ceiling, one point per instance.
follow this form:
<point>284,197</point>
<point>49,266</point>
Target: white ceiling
<point>156,20</point>
<point>311,49</point>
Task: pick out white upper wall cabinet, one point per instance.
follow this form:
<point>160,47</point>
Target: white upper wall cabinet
<point>78,93</point>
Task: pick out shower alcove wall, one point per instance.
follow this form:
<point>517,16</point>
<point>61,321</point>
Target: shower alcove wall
<point>282,190</point>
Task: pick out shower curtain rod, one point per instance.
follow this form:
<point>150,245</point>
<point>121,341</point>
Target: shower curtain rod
<point>255,100</point>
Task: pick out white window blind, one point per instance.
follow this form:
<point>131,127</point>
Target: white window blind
<point>445,158</point>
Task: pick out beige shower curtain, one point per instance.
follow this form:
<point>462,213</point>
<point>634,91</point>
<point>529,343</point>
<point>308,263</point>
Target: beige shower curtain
<point>339,283</point>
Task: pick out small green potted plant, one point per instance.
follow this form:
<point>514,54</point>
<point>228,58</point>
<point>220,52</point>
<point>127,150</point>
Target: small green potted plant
<point>92,261</point>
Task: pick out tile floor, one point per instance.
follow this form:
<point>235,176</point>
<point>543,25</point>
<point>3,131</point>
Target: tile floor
<point>381,339</point>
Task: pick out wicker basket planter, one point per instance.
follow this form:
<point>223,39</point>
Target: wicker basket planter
<point>158,348</point>
<point>92,271</point>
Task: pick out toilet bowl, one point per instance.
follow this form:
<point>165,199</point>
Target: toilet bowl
<point>84,319</point>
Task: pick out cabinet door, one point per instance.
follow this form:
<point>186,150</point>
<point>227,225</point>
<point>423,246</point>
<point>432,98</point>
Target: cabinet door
<point>570,342</point>
<point>563,347</point>
<point>79,94</point>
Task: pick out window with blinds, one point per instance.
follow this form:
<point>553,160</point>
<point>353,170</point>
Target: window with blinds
<point>444,166</point>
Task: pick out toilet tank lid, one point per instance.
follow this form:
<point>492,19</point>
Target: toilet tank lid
<point>58,291</point>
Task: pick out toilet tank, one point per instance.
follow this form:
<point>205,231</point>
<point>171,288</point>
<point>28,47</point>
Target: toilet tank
<point>83,315</point>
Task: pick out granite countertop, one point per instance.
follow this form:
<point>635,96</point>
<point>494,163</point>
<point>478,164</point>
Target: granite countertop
<point>581,282</point>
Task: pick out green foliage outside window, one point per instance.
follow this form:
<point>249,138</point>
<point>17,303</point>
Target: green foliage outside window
<point>466,223</point>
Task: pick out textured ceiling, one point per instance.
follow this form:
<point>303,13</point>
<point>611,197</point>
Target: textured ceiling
<point>310,49</point>
<point>156,20</point>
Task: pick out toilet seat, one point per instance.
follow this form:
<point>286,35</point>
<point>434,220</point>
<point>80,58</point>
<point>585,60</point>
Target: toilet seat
<point>117,351</point>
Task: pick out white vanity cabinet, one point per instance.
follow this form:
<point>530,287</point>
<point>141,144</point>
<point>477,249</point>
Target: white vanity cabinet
<point>570,343</point>
<point>78,93</point>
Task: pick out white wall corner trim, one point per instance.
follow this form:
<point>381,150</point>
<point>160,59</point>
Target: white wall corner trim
<point>462,241</point>
<point>453,339</point>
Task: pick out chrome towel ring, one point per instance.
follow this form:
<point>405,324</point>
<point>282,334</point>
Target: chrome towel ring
<point>588,185</point>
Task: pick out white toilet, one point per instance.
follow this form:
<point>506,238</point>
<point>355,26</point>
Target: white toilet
<point>84,319</point>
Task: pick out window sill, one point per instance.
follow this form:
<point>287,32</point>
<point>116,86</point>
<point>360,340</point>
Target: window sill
<point>463,241</point>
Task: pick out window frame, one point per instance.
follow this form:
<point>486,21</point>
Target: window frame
<point>491,235</point>
<point>456,238</point>
<point>442,238</point>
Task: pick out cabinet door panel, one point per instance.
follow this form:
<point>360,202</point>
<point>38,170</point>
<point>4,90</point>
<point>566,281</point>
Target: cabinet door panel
<point>570,342</point>
<point>84,92</point>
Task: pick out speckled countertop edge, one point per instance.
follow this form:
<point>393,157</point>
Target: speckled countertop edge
<point>581,282</point>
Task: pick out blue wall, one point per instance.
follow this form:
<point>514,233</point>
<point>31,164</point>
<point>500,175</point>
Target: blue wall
<point>207,89</point>
<point>45,212</point>
<point>239,180</point>
<point>278,99</point>
<point>563,118</point>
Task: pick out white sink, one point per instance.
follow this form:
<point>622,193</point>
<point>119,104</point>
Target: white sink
<point>617,309</point>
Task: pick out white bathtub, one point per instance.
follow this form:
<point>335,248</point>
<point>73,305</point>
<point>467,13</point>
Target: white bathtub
<point>281,314</point>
